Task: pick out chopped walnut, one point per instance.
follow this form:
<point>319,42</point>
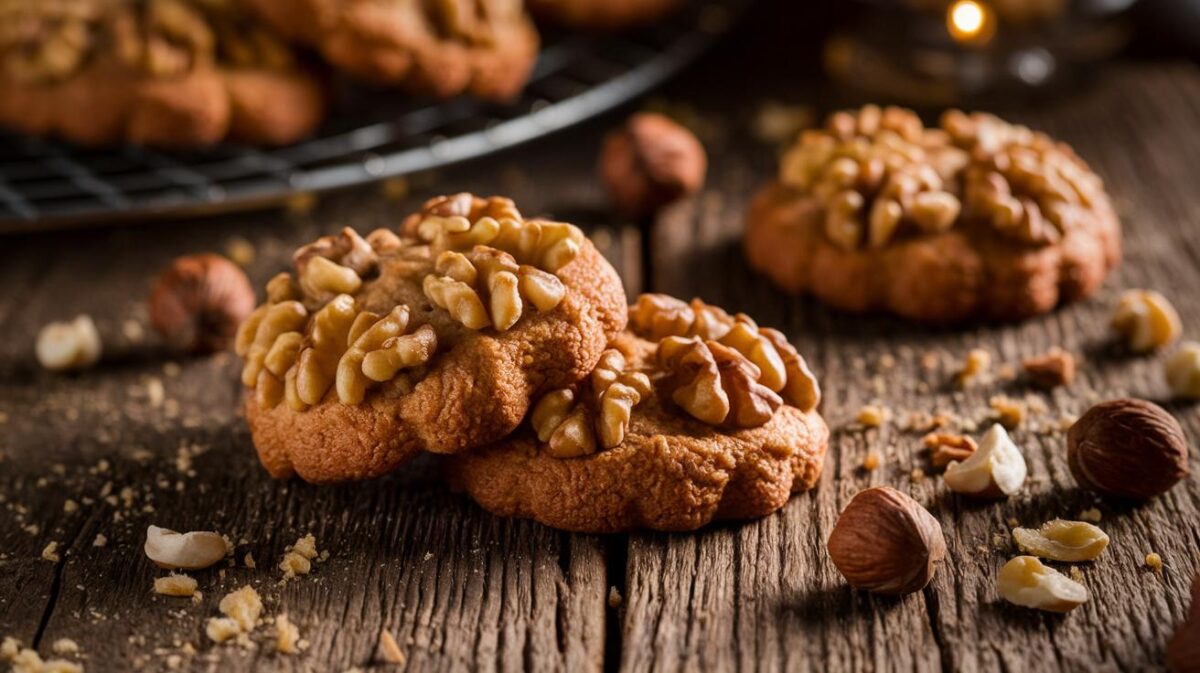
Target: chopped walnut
<point>945,448</point>
<point>487,288</point>
<point>563,423</point>
<point>1054,368</point>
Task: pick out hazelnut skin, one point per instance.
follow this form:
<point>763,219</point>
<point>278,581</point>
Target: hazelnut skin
<point>650,162</point>
<point>1183,650</point>
<point>1127,448</point>
<point>886,542</point>
<point>198,302</point>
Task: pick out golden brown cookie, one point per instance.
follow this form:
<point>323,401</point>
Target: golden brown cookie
<point>691,415</point>
<point>976,219</point>
<point>170,73</point>
<point>440,48</point>
<point>433,339</point>
<point>603,14</point>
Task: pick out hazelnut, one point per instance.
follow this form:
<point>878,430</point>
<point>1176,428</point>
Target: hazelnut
<point>198,302</point>
<point>994,470</point>
<point>650,162</point>
<point>1183,651</point>
<point>1127,448</point>
<point>1026,582</point>
<point>1060,540</point>
<point>885,542</point>
<point>189,551</point>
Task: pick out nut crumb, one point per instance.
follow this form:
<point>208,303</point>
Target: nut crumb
<point>945,448</point>
<point>873,415</point>
<point>389,650</point>
<point>614,597</point>
<point>917,475</point>
<point>871,462</point>
<point>175,585</point>
<point>240,251</point>
<point>976,367</point>
<point>287,636</point>
<point>1076,574</point>
<point>70,506</point>
<point>1154,561</point>
<point>100,541</point>
<point>1054,368</point>
<point>248,560</point>
<point>50,553</point>
<point>1092,515</point>
<point>1009,412</point>
<point>65,646</point>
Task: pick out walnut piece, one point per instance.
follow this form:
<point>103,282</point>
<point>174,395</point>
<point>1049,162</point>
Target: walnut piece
<point>1145,320</point>
<point>562,421</point>
<point>715,383</point>
<point>945,448</point>
<point>487,288</point>
<point>1054,368</point>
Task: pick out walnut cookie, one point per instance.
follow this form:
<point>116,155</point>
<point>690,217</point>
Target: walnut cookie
<point>172,73</point>
<point>436,47</point>
<point>435,339</point>
<point>977,219</point>
<point>691,415</point>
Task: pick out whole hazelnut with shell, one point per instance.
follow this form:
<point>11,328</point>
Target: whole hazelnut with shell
<point>1183,650</point>
<point>198,302</point>
<point>886,542</point>
<point>1127,448</point>
<point>650,162</point>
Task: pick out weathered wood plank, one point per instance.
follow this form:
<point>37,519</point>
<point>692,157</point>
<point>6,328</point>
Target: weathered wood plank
<point>764,595</point>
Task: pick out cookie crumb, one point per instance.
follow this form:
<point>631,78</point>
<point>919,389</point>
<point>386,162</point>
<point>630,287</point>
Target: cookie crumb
<point>70,506</point>
<point>175,585</point>
<point>241,609</point>
<point>871,462</point>
<point>917,475</point>
<point>1009,412</point>
<point>975,367</point>
<point>287,636</point>
<point>65,646</point>
<point>614,597</point>
<point>389,650</point>
<point>1092,515</point>
<point>248,560</point>
<point>100,541</point>
<point>1154,561</point>
<point>297,559</point>
<point>50,553</point>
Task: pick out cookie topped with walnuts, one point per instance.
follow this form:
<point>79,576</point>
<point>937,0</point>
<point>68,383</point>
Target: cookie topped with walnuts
<point>975,218</point>
<point>690,415</point>
<point>435,337</point>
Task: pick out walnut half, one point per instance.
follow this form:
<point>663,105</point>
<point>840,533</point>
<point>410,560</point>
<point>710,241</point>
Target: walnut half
<point>715,383</point>
<point>564,421</point>
<point>487,288</point>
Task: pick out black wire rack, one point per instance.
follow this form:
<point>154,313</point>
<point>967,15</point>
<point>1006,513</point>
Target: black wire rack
<point>48,184</point>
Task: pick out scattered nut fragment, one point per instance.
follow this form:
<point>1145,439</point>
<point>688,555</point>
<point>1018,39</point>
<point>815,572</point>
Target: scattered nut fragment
<point>50,553</point>
<point>871,462</point>
<point>886,542</point>
<point>872,415</point>
<point>1091,514</point>
<point>1009,412</point>
<point>650,162</point>
<point>1056,367</point>
<point>64,346</point>
<point>1154,562</point>
<point>389,650</point>
<point>976,366</point>
<point>198,302</point>
<point>187,551</point>
<point>995,470</point>
<point>65,646</point>
<point>175,585</point>
<point>1026,582</point>
<point>1060,540</point>
<point>1127,448</point>
<point>1145,320</point>
<point>1183,370</point>
<point>1183,651</point>
<point>945,448</point>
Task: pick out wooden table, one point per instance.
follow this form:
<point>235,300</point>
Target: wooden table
<point>461,589</point>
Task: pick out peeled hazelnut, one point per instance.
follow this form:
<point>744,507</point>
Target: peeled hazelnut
<point>1183,370</point>
<point>1060,540</point>
<point>650,162</point>
<point>995,470</point>
<point>1127,448</point>
<point>189,551</point>
<point>63,346</point>
<point>198,302</point>
<point>1026,582</point>
<point>885,542</point>
<point>1183,651</point>
<point>1145,320</point>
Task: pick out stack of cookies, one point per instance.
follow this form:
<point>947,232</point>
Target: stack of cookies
<point>508,345</point>
<point>191,73</point>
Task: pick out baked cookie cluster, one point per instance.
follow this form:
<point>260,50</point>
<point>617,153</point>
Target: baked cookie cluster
<point>159,72</point>
<point>505,341</point>
<point>603,14</point>
<point>974,218</point>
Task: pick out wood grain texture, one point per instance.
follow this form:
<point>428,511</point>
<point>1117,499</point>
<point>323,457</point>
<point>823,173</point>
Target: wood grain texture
<point>461,590</point>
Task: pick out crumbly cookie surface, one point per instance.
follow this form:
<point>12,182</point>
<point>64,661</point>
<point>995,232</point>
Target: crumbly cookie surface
<point>603,14</point>
<point>977,219</point>
<point>432,339</point>
<point>170,73</point>
<point>676,427</point>
<point>439,48</point>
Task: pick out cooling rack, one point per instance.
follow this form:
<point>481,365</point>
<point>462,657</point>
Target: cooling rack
<point>49,184</point>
